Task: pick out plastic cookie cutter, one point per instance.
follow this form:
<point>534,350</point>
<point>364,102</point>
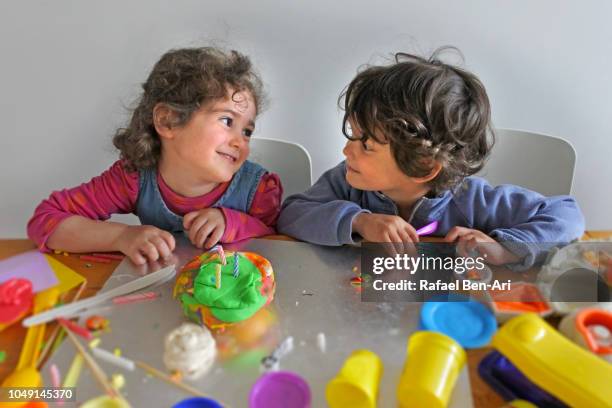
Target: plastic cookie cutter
<point>26,374</point>
<point>551,361</point>
<point>16,297</point>
<point>590,328</point>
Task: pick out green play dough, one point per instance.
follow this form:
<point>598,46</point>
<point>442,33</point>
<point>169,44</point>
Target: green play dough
<point>237,298</point>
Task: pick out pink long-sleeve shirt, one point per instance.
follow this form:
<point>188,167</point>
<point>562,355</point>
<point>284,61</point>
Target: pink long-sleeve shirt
<point>116,191</point>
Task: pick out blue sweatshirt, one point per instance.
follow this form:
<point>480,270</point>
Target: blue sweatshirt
<point>525,222</point>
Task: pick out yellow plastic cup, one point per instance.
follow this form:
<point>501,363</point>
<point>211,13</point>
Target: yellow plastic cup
<point>356,385</point>
<point>104,401</point>
<point>431,370</point>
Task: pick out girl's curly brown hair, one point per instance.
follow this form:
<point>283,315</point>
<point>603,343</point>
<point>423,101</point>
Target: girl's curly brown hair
<point>184,80</point>
<point>428,111</point>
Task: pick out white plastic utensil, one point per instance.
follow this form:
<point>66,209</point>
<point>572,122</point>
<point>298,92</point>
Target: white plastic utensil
<point>136,284</point>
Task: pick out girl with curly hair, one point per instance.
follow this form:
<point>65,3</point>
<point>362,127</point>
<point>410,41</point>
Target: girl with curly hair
<point>182,167</point>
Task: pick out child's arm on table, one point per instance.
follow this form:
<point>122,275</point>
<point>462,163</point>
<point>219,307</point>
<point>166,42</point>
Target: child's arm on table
<point>525,222</point>
<point>138,242</point>
<point>71,220</point>
<point>208,226</point>
<point>323,214</point>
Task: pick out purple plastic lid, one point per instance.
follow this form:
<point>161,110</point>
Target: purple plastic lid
<point>280,389</point>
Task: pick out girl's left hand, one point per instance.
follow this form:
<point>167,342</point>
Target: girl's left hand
<point>204,227</point>
<point>469,240</point>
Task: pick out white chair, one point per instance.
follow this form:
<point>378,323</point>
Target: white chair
<point>290,161</point>
<point>532,160</point>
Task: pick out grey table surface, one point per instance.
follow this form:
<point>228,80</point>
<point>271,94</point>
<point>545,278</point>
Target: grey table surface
<point>333,308</point>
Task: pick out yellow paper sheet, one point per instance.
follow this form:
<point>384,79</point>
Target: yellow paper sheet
<point>67,278</point>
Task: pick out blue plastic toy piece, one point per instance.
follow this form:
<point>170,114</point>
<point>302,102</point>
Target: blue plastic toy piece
<point>468,322</point>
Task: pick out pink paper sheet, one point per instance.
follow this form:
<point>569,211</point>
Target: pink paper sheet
<point>30,265</point>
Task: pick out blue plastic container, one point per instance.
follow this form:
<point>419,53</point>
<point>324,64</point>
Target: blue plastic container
<point>197,402</point>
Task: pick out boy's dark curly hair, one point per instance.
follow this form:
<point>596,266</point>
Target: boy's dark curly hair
<point>428,111</point>
<point>184,80</point>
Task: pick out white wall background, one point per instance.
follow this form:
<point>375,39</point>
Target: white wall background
<point>69,68</point>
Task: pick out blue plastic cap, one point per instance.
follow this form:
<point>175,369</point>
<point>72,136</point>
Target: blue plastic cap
<point>469,323</point>
<point>197,402</point>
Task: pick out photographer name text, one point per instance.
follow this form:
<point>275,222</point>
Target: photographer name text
<point>439,285</point>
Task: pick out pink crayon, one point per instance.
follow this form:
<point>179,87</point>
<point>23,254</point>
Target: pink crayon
<point>109,256</point>
<point>75,328</point>
<point>94,259</point>
<point>138,297</point>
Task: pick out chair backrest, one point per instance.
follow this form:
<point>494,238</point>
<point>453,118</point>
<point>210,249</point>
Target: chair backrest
<point>532,160</point>
<point>290,161</point>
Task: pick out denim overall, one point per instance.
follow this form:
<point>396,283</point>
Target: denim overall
<point>152,210</point>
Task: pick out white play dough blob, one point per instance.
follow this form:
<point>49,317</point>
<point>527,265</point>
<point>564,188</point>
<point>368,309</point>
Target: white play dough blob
<point>190,349</point>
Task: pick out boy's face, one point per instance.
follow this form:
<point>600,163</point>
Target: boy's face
<point>214,143</point>
<point>370,166</point>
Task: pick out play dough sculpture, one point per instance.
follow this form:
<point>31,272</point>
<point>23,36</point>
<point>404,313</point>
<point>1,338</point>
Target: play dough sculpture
<point>216,288</point>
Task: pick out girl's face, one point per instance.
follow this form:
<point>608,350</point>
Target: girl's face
<point>214,143</point>
<point>370,166</point>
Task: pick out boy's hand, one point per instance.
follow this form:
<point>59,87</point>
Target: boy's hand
<point>145,242</point>
<point>469,240</point>
<point>204,227</point>
<point>386,228</point>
